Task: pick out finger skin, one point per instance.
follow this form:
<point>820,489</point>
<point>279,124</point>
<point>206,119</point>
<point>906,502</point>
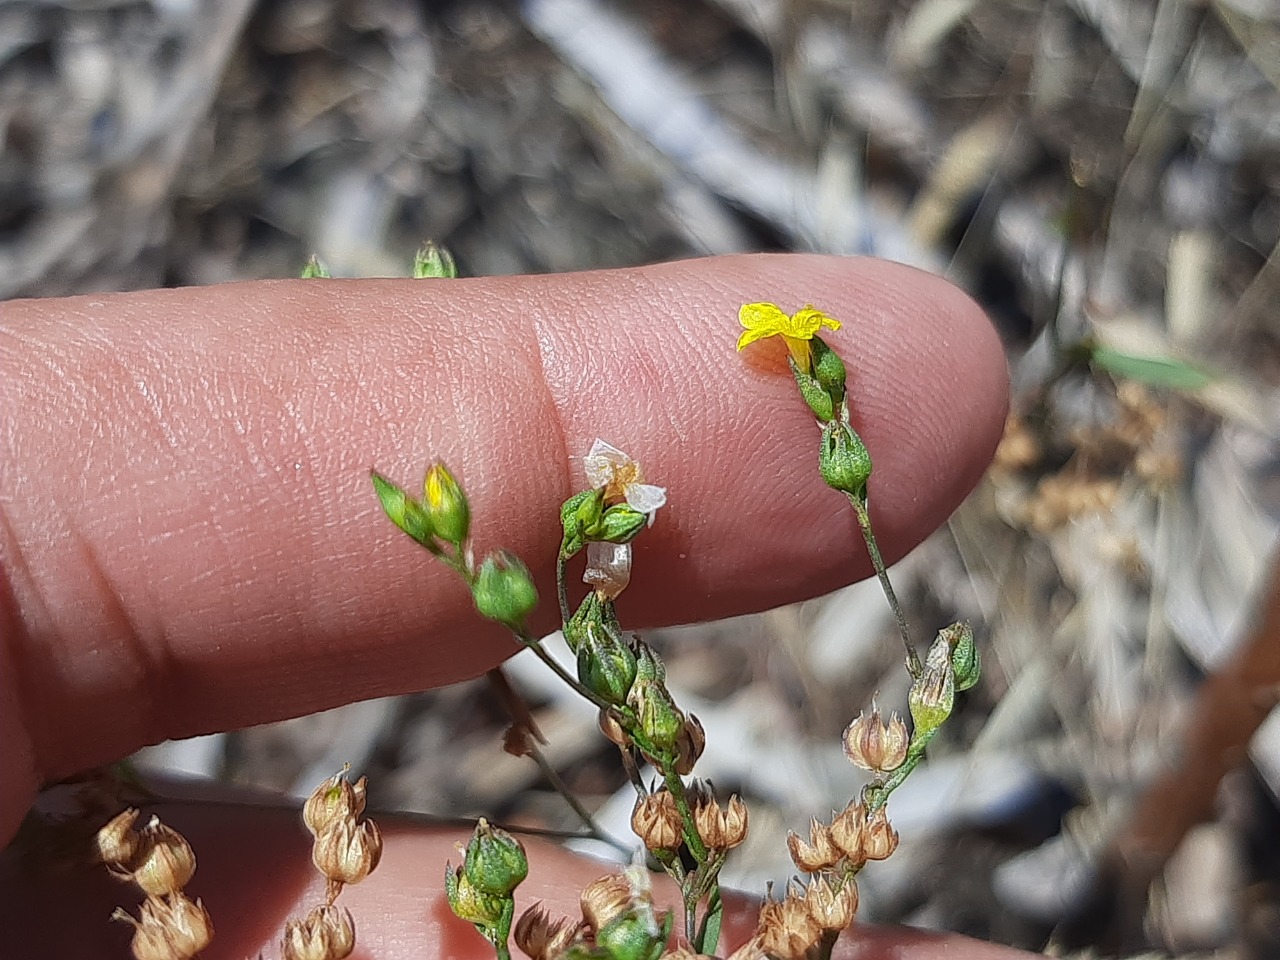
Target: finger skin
<point>188,536</point>
<point>254,872</point>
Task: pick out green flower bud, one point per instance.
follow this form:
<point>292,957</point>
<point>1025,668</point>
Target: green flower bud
<point>965,659</point>
<point>504,591</point>
<point>578,514</point>
<point>434,261</point>
<point>828,370</point>
<point>447,504</point>
<point>495,861</point>
<point>606,665</point>
<point>843,460</point>
<point>813,393</point>
<point>315,269</point>
<point>404,511</point>
<point>619,524</point>
<point>469,903</point>
<point>636,935</point>
<point>589,615</point>
<point>933,693</point>
<point>649,668</point>
<point>661,721</point>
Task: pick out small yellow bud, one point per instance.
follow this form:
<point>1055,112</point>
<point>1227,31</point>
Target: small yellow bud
<point>347,852</point>
<point>657,822</point>
<point>832,906</point>
<point>446,504</point>
<point>118,841</point>
<point>326,933</point>
<point>818,854</point>
<point>848,832</point>
<point>173,928</point>
<point>165,861</point>
<point>874,745</point>
<point>335,799</point>
<point>880,839</point>
<point>543,938</point>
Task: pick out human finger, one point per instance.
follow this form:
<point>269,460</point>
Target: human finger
<point>190,542</point>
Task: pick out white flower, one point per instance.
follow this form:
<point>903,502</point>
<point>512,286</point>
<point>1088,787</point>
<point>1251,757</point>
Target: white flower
<point>620,476</point>
<point>608,568</point>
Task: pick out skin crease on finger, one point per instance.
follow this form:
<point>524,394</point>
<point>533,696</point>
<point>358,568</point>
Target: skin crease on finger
<point>189,541</point>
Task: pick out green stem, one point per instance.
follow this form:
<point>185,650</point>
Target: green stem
<point>562,589</point>
<point>875,795</point>
<point>541,651</point>
<point>882,572</point>
<point>562,788</point>
<point>692,839</point>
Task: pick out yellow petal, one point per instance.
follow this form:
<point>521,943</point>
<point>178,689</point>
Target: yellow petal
<point>805,323</point>
<point>751,336</point>
<point>765,317</point>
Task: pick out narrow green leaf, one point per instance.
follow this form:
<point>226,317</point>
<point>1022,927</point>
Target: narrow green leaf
<point>1153,371</point>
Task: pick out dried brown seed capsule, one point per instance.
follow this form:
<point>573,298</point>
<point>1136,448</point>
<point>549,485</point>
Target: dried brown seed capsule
<point>612,729</point>
<point>543,938</point>
<point>347,852</point>
<point>880,839</point>
<point>848,831</point>
<point>874,745</point>
<point>605,900</point>
<point>832,906</point>
<point>326,933</point>
<point>657,822</point>
<point>721,829</point>
<point>118,841</point>
<point>173,928</point>
<point>689,745</point>
<point>164,862</point>
<point>335,799</point>
<point>818,854</point>
<point>789,932</point>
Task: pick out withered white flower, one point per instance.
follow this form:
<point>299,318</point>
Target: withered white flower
<point>608,568</point>
<point>608,467</point>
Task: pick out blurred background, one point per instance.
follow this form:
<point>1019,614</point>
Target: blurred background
<point>1104,176</point>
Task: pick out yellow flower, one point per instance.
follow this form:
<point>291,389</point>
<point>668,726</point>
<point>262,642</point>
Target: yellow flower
<point>762,320</point>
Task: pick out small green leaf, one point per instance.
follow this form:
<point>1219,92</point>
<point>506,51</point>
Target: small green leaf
<point>315,269</point>
<point>1153,371</point>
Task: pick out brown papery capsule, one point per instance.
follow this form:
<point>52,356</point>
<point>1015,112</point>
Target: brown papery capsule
<point>874,745</point>
<point>612,730</point>
<point>347,852</point>
<point>605,900</point>
<point>790,931</point>
<point>326,933</point>
<point>689,745</point>
<point>818,854</point>
<point>118,841</point>
<point>543,938</point>
<point>832,906</point>
<point>848,831</point>
<point>165,862</point>
<point>657,822</point>
<point>173,928</point>
<point>335,799</point>
<point>880,839</point>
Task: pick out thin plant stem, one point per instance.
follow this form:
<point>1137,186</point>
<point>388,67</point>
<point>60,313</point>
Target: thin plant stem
<point>562,589</point>
<point>864,523</point>
<point>692,839</point>
<point>562,788</point>
<point>541,651</point>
